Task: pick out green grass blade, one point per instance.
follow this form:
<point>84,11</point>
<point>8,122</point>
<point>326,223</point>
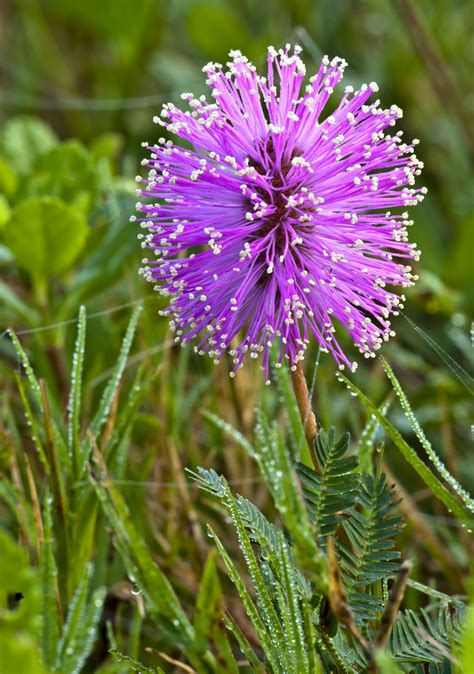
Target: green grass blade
<point>75,616</point>
<point>229,430</point>
<point>465,497</point>
<point>30,375</point>
<point>296,632</point>
<point>366,446</point>
<point>80,647</point>
<point>112,385</point>
<point>133,664</point>
<point>244,645</point>
<point>49,634</point>
<point>33,425</point>
<point>267,641</point>
<point>437,488</point>
<point>153,582</point>
<point>21,309</point>
<point>208,614</point>
<point>276,465</point>
<point>74,402</point>
<point>108,395</point>
<point>269,614</point>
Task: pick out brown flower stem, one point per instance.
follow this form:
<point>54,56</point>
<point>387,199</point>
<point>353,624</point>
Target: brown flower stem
<point>304,405</point>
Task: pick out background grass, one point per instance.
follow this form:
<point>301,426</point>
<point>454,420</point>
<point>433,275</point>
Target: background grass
<point>80,83</point>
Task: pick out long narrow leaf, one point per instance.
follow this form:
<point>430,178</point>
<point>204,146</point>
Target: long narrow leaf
<point>74,402</point>
<point>265,637</point>
<point>467,499</point>
<point>438,489</point>
<point>49,573</point>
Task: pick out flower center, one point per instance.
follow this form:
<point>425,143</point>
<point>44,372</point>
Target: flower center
<point>278,190</point>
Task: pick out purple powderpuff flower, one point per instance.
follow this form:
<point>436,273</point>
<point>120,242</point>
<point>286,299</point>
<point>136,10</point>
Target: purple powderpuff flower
<point>273,220</point>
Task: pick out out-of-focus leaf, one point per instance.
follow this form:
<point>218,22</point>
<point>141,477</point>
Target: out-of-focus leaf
<point>17,577</point>
<point>66,171</point>
<point>458,268</point>
<point>24,139</point>
<point>208,615</point>
<point>4,211</point>
<point>45,236</point>
<point>215,29</point>
<point>19,611</point>
<point>107,146</point>
<point>8,179</point>
<point>468,643</point>
<point>120,23</point>
<point>18,307</point>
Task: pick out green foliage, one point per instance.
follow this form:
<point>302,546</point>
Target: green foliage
<point>18,577</point>
<point>219,21</point>
<point>437,487</point>
<point>371,531</point>
<point>282,619</point>
<point>29,626</point>
<point>424,638</point>
<point>333,488</point>
<point>466,498</point>
<point>361,514</point>
<point>45,236</point>
<point>67,172</point>
<point>23,140</point>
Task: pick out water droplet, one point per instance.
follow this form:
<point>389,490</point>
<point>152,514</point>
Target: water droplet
<point>135,590</point>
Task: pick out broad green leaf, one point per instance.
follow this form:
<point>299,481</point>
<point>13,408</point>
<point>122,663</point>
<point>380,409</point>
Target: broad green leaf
<point>19,626</point>
<point>67,171</point>
<point>45,236</point>
<point>106,147</point>
<point>386,663</point>
<point>24,139</point>
<point>17,576</point>
<point>21,654</point>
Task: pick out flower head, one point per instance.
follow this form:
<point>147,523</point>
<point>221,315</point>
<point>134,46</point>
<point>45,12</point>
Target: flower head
<point>276,220</point>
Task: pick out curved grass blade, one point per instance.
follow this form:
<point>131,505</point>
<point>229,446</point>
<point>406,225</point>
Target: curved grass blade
<point>467,499</point>
<point>436,486</point>
<point>74,402</point>
<point>108,395</point>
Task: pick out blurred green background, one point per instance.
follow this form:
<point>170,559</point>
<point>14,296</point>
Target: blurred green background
<point>81,81</point>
